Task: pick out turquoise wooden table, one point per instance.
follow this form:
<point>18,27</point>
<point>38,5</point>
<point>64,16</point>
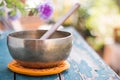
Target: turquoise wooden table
<point>85,64</point>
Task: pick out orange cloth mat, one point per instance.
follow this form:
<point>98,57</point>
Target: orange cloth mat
<point>15,67</point>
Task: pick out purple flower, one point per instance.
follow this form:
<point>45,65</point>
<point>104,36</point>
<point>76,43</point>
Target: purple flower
<point>14,17</point>
<point>46,9</point>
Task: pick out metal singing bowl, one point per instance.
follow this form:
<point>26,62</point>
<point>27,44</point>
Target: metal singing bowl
<point>29,51</point>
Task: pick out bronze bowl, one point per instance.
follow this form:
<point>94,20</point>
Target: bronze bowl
<point>28,50</point>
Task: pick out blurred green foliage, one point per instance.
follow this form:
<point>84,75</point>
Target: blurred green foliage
<point>92,21</point>
<point>12,5</point>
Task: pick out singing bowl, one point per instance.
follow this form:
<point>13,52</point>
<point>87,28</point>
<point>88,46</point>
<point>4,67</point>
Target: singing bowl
<point>28,50</point>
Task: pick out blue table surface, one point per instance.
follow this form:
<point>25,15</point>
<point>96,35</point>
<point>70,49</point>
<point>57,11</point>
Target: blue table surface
<point>85,64</point>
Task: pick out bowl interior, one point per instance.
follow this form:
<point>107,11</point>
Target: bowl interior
<point>36,34</point>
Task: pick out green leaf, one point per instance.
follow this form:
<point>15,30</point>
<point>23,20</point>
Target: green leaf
<point>22,11</point>
<point>8,1</point>
<point>34,10</point>
<point>9,5</point>
<point>1,4</point>
<point>13,13</point>
<point>2,13</point>
<point>19,4</point>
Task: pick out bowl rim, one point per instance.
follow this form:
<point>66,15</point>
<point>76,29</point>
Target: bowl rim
<point>9,35</point>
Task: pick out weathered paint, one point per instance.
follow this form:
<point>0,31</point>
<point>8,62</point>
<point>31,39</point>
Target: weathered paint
<point>5,58</point>
<point>87,62</point>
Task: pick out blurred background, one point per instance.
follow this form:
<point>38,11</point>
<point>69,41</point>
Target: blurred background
<point>98,21</point>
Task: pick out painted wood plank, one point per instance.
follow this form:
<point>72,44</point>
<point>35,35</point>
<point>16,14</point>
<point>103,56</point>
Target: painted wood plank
<point>23,77</point>
<point>85,62</point>
<point>5,58</point>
